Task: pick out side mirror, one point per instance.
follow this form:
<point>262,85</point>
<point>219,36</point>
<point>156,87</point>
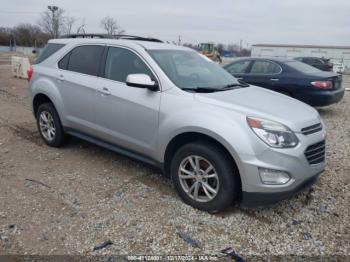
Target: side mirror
<point>142,81</point>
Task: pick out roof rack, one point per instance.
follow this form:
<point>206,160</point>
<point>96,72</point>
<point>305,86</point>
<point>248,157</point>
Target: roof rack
<point>126,37</point>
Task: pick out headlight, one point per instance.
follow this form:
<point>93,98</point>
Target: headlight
<point>272,133</point>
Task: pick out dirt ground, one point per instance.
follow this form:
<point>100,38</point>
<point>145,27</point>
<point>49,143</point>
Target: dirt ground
<point>68,200</point>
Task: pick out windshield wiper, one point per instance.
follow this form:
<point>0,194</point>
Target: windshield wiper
<point>202,89</point>
<point>240,84</point>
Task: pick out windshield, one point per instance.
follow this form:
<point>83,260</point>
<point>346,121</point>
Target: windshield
<point>302,67</point>
<point>188,70</point>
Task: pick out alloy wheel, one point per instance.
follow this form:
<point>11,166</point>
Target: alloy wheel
<point>198,178</point>
<point>47,125</point>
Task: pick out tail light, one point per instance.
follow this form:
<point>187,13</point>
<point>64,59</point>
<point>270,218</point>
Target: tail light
<point>322,84</point>
<point>30,73</point>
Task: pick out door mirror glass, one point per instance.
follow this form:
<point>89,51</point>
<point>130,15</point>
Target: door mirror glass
<point>141,81</point>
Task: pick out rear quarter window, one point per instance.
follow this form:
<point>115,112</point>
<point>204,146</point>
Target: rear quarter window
<point>48,51</point>
<point>302,67</point>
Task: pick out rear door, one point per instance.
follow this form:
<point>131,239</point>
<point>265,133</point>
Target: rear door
<point>264,73</point>
<point>127,116</point>
<point>77,80</point>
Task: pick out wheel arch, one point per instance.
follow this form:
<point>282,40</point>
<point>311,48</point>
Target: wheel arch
<point>187,137</point>
<point>40,99</point>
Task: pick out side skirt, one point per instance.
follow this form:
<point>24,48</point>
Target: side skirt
<point>116,148</point>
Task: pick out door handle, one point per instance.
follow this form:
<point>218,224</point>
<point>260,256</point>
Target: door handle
<point>104,91</point>
<point>239,78</point>
<point>274,79</point>
<point>60,77</point>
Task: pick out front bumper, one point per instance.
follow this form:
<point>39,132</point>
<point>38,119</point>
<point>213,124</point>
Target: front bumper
<point>292,161</point>
<point>251,199</point>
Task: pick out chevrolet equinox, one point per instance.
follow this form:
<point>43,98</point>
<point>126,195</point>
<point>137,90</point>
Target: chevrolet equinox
<point>219,140</point>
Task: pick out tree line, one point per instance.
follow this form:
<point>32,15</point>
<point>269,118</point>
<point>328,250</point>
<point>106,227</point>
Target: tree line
<point>55,22</point>
<point>52,23</point>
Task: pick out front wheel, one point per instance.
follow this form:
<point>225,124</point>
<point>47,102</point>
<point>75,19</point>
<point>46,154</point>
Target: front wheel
<point>205,177</point>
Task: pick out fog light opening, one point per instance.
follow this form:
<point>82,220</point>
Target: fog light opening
<point>273,177</point>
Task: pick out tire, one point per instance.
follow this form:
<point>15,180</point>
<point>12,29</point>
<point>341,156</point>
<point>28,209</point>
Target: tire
<point>226,183</point>
<point>56,137</point>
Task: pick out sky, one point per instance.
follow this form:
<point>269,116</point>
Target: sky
<point>314,22</point>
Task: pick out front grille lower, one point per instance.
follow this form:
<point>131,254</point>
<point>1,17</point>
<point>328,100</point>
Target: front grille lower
<point>316,153</point>
<point>311,129</point>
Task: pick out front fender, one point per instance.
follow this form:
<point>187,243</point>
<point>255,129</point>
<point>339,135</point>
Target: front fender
<point>231,132</point>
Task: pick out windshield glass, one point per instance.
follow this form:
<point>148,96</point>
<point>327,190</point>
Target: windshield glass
<point>187,69</point>
<point>302,67</point>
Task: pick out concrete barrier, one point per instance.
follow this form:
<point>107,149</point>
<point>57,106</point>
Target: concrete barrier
<point>19,66</point>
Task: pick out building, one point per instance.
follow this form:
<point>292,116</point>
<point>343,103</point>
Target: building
<point>337,54</point>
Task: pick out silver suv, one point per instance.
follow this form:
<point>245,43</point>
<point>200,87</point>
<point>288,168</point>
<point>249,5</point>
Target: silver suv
<point>219,140</point>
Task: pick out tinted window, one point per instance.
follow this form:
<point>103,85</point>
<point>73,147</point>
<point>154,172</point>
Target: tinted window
<point>49,50</point>
<point>238,67</point>
<point>265,67</point>
<point>314,61</point>
<point>85,59</point>
<point>63,63</point>
<point>121,62</point>
<point>302,67</point>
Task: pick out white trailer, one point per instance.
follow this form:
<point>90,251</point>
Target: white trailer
<point>337,54</point>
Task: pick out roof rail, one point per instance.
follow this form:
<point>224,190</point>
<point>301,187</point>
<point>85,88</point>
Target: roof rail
<point>139,38</point>
<point>84,36</point>
<point>126,37</point>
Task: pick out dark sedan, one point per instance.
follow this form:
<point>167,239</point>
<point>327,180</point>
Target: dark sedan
<point>290,77</point>
<point>320,63</point>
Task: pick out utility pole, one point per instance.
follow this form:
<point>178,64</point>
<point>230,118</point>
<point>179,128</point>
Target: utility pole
<point>55,25</point>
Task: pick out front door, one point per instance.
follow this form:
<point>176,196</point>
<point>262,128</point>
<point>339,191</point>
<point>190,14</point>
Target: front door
<point>265,74</point>
<point>127,116</point>
<point>238,69</point>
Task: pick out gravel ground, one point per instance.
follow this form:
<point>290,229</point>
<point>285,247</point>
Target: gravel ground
<point>68,200</point>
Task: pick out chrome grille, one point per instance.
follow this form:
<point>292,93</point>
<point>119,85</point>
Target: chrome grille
<point>311,129</point>
<point>315,153</point>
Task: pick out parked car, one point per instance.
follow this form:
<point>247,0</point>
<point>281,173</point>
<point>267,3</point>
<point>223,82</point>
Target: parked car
<point>290,77</point>
<point>217,139</point>
<point>323,64</point>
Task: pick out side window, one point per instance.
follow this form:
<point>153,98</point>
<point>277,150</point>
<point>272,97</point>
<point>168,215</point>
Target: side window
<point>238,67</point>
<point>265,67</point>
<point>49,50</point>
<point>314,61</point>
<point>307,60</point>
<point>83,59</point>
<point>121,62</point>
<point>320,62</point>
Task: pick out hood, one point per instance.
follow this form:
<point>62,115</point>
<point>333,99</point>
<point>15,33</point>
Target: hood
<point>258,102</point>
